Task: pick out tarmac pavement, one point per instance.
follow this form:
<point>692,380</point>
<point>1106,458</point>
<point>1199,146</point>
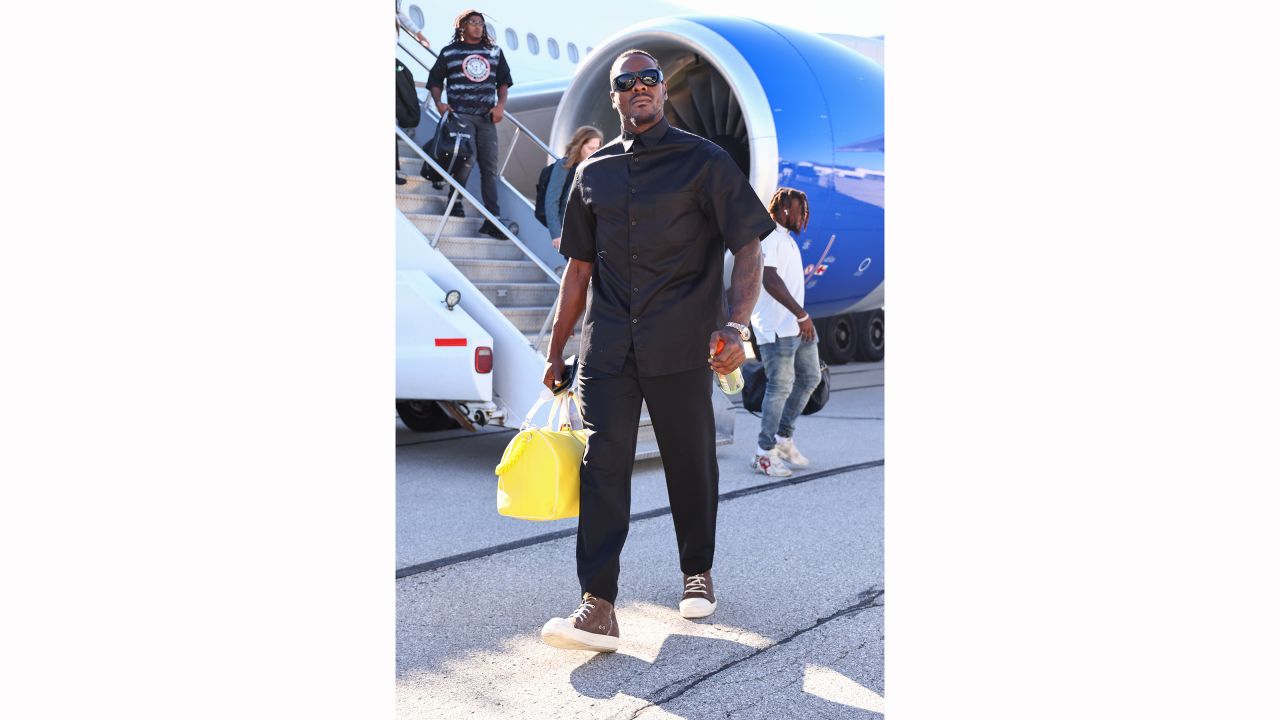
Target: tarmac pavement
<point>799,578</point>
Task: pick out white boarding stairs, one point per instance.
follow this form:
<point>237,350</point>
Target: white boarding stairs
<point>515,286</point>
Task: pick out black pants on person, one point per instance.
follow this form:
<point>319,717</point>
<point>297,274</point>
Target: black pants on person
<point>485,136</point>
<point>683,421</point>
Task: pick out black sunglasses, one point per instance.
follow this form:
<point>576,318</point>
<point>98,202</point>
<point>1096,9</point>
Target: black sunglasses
<point>650,77</point>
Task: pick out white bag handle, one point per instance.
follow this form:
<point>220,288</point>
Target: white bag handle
<point>542,400</point>
<point>563,406</point>
<point>566,411</point>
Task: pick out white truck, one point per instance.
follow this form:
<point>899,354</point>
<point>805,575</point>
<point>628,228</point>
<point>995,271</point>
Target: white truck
<point>442,354</point>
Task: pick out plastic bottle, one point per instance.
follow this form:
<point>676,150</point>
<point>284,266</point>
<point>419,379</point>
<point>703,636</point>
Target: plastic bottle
<point>732,383</point>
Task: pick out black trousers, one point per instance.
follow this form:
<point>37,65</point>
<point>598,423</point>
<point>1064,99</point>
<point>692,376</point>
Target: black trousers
<point>680,408</point>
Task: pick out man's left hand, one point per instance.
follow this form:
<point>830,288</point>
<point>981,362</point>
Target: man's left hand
<point>732,356</point>
<point>422,38</point>
<point>496,114</point>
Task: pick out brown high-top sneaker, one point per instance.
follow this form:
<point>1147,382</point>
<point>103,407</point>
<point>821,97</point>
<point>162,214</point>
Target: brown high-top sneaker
<point>593,626</point>
<point>699,598</point>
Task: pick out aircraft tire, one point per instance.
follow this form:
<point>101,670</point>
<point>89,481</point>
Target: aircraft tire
<point>870,329</point>
<point>837,339</point>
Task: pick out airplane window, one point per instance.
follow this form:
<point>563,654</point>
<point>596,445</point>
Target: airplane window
<point>588,52</point>
<point>573,52</point>
<point>415,14</point>
<point>553,48</point>
<point>531,40</point>
<point>493,31</point>
<point>513,42</point>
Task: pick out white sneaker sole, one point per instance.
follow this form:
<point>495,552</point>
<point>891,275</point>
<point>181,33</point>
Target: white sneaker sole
<point>797,463</point>
<point>773,472</point>
<point>561,633</point>
<point>696,608</point>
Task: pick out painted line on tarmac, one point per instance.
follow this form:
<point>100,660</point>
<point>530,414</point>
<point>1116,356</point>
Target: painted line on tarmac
<point>405,572</point>
<point>866,600</point>
<point>833,373</point>
<point>856,387</point>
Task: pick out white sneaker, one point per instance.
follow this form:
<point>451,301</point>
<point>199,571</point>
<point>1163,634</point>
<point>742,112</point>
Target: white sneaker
<point>769,464</point>
<point>786,448</point>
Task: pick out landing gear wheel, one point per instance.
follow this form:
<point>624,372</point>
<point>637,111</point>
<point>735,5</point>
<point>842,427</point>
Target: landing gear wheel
<point>871,336</point>
<point>837,339</point>
<point>424,416</point>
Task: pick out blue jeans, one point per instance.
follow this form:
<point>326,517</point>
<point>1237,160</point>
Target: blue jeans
<point>791,366</point>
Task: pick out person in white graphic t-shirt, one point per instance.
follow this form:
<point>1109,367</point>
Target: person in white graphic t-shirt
<point>786,337</point>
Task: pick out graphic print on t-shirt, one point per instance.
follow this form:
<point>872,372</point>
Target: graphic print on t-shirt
<point>476,68</point>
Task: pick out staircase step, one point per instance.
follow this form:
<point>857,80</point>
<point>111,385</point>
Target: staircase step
<point>425,203</point>
<point>490,271</point>
<point>515,294</point>
<point>527,318</point>
<point>484,248</point>
<point>453,227</point>
<point>571,348</point>
<point>418,185</point>
<point>410,162</point>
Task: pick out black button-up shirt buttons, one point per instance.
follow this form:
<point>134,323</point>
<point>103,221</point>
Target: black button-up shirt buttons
<point>696,204</point>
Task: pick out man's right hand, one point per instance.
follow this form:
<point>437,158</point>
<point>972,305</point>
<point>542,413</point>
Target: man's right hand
<point>443,108</point>
<point>554,373</point>
<point>807,331</point>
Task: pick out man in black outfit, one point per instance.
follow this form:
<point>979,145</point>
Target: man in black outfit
<point>645,229</point>
<point>476,75</point>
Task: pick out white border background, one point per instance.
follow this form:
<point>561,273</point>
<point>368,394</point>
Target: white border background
<point>198,462</point>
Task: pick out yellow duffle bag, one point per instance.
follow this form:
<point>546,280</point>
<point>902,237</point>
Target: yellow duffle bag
<point>538,474</point>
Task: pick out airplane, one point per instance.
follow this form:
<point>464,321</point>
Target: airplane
<point>792,107</point>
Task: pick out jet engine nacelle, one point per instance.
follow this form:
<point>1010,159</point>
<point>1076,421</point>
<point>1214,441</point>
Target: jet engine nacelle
<point>793,109</point>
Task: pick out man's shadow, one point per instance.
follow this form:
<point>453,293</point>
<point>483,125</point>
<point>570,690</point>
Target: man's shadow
<point>682,660</point>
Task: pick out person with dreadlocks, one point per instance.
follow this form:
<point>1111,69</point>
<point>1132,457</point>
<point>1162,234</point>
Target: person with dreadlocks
<point>646,225</point>
<point>786,337</point>
<point>474,74</point>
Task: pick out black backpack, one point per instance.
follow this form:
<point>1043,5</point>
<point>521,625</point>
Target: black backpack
<point>544,179</point>
<point>408,111</point>
<point>451,148</point>
<point>754,381</point>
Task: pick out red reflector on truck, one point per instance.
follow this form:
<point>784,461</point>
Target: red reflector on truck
<point>451,342</point>
<point>484,360</point>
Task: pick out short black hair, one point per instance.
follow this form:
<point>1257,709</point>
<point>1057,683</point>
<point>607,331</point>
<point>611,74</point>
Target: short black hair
<point>636,51</point>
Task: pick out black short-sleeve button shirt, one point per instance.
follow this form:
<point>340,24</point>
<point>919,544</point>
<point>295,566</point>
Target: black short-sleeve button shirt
<point>654,213</point>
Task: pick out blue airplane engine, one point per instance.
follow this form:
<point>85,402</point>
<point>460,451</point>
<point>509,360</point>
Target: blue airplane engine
<point>793,109</point>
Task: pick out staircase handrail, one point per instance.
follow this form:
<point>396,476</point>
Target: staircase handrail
<point>479,206</point>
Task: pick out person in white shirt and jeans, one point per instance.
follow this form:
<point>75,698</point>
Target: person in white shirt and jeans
<point>786,337</point>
